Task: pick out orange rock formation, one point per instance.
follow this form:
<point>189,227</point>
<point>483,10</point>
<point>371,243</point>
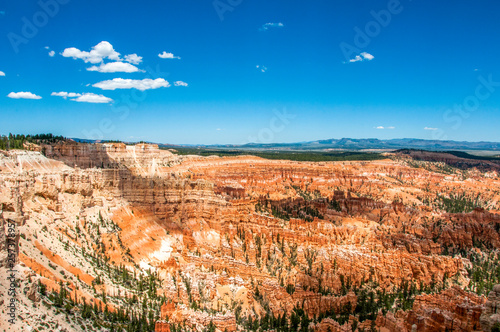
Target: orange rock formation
<point>243,236</point>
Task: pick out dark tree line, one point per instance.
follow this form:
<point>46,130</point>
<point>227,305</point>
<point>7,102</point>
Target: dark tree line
<point>17,141</point>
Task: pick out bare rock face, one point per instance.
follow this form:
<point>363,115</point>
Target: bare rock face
<point>170,314</point>
<point>394,322</point>
<point>9,239</point>
<point>162,326</point>
<point>3,243</point>
<point>491,312</point>
<point>144,158</point>
<point>452,309</point>
<point>33,293</point>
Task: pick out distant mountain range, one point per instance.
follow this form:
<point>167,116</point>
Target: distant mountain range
<point>373,144</point>
<point>350,144</point>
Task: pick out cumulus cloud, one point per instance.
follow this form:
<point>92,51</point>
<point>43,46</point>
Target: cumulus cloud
<point>83,97</point>
<point>121,83</point>
<point>100,52</point>
<point>166,55</point>
<point>362,57</point>
<point>382,127</point>
<point>430,128</point>
<point>65,94</point>
<point>93,98</point>
<point>180,83</point>
<point>115,67</point>
<point>267,26</point>
<point>133,58</point>
<point>262,68</point>
<point>103,50</point>
<point>23,95</point>
<point>2,73</point>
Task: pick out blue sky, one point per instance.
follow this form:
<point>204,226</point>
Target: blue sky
<point>265,71</point>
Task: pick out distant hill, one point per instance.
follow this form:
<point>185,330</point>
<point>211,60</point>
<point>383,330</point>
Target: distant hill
<point>458,159</point>
<point>346,144</point>
<point>377,144</point>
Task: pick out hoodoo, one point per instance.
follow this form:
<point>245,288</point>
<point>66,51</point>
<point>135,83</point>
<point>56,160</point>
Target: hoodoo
<point>116,235</point>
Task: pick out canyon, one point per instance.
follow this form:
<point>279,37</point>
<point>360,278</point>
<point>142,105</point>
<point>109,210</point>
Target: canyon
<point>114,237</point>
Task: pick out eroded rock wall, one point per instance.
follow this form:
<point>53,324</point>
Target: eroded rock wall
<point>245,234</point>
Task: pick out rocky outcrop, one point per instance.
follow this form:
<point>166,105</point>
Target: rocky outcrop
<point>10,221</point>
<point>394,322</point>
<point>452,309</point>
<point>3,241</point>
<point>490,316</point>
<point>170,314</point>
<point>144,159</point>
<point>162,326</point>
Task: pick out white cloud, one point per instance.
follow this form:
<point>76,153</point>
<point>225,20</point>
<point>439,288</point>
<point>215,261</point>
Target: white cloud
<point>133,58</point>
<point>83,98</point>
<point>23,95</point>
<point>51,53</point>
<point>266,26</point>
<point>65,94</point>
<point>180,83</point>
<point>367,56</point>
<point>166,55</point>
<point>120,83</point>
<point>101,51</point>
<point>93,98</point>
<point>382,127</point>
<point>362,57</point>
<point>115,67</point>
<point>262,68</point>
<point>2,73</point>
<point>104,51</point>
<point>430,128</point>
<point>356,59</point>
